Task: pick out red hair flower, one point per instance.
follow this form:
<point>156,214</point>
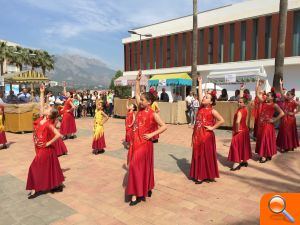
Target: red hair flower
<point>213,93</point>
<point>272,89</point>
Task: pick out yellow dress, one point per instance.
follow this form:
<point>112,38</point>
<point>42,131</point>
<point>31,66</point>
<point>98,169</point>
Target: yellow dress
<point>98,125</point>
<point>1,124</point>
<point>154,106</point>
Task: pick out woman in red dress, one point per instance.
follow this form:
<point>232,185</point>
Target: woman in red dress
<point>68,125</point>
<point>287,139</point>
<point>140,172</point>
<point>266,136</point>
<point>204,166</point>
<point>3,140</point>
<point>257,109</point>
<point>130,118</point>
<point>240,148</point>
<point>45,173</point>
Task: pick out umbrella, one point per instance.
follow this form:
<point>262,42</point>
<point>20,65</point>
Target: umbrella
<point>211,86</point>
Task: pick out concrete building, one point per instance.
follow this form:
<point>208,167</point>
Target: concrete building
<point>234,39</point>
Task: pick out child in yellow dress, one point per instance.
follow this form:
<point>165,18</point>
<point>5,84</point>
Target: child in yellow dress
<point>3,140</point>
<point>98,139</point>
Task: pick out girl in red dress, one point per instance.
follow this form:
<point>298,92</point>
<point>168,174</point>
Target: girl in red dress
<point>130,118</point>
<point>98,139</point>
<point>204,166</point>
<point>257,108</point>
<point>266,137</point>
<point>240,148</point>
<point>45,173</point>
<point>287,139</point>
<point>68,125</point>
<point>59,145</point>
<point>3,140</point>
<point>140,172</point>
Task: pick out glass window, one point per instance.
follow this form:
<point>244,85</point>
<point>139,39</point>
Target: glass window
<point>184,49</point>
<point>231,48</point>
<point>255,39</point>
<point>136,56</point>
<point>176,50</point>
<point>268,41</point>
<point>210,45</point>
<point>221,44</point>
<point>148,54</point>
<point>161,53</point>
<point>296,35</point>
<point>168,51</point>
<point>130,59</point>
<point>141,57</point>
<point>201,46</point>
<point>154,53</point>
<point>243,41</point>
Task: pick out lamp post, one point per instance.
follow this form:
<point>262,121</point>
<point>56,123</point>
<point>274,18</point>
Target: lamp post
<point>140,35</point>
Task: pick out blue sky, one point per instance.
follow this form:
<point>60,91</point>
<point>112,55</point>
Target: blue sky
<point>92,28</point>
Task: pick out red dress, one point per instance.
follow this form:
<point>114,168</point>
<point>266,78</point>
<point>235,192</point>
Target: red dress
<point>256,112</point>
<point>3,140</point>
<point>240,148</point>
<point>266,136</point>
<point>204,160</point>
<point>140,156</point>
<point>129,130</point>
<point>59,146</point>
<point>288,136</point>
<point>44,172</point>
<point>68,125</point>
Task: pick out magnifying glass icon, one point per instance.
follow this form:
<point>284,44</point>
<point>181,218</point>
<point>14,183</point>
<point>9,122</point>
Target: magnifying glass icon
<point>277,205</point>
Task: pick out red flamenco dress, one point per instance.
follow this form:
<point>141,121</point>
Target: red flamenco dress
<point>288,136</point>
<point>240,148</point>
<point>68,125</point>
<point>140,156</point>
<point>129,130</point>
<point>204,160</point>
<point>266,136</point>
<point>3,140</point>
<point>59,146</point>
<point>256,112</point>
<point>44,172</point>
<point>98,139</point>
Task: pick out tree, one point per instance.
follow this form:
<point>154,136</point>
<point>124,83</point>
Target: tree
<point>118,74</point>
<point>45,61</point>
<point>195,42</point>
<point>280,50</point>
<point>3,55</point>
<point>121,91</point>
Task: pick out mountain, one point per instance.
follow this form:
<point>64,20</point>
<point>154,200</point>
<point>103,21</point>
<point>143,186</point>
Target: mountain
<point>81,72</point>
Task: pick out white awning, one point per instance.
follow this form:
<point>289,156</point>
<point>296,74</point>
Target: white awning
<point>130,81</point>
<point>234,76</point>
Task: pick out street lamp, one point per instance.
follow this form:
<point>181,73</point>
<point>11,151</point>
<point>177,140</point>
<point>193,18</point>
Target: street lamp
<point>141,35</point>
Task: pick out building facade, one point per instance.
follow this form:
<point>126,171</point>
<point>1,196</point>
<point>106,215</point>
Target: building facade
<point>237,36</point>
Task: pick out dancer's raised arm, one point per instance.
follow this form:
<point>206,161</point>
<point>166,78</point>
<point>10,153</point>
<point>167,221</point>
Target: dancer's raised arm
<point>257,91</point>
<point>138,88</point>
<point>200,88</point>
<point>42,99</point>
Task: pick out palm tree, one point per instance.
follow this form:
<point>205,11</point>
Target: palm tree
<point>46,61</point>
<point>195,41</point>
<point>3,55</point>
<point>279,60</point>
<point>18,57</point>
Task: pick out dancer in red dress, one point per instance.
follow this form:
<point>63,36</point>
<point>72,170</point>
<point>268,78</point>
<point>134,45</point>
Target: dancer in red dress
<point>204,166</point>
<point>140,172</point>
<point>45,173</point>
<point>257,108</point>
<point>287,139</point>
<point>266,136</point>
<point>155,108</point>
<point>240,148</point>
<point>3,140</point>
<point>130,118</point>
<point>59,145</point>
<point>68,125</point>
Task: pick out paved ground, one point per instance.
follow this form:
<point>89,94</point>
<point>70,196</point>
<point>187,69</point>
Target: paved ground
<point>94,192</point>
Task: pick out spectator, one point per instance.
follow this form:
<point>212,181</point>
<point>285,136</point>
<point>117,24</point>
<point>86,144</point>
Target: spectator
<point>12,98</point>
<point>164,97</point>
<point>110,101</point>
<point>189,101</point>
<point>2,99</point>
<point>76,104</point>
<point>246,91</point>
<point>51,98</point>
<point>24,96</point>
<point>84,103</point>
<point>94,99</point>
<point>195,106</point>
<point>223,96</point>
<point>236,96</point>
<point>36,97</point>
<point>178,97</point>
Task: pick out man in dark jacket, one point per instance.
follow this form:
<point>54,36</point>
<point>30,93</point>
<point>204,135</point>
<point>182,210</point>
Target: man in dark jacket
<point>164,97</point>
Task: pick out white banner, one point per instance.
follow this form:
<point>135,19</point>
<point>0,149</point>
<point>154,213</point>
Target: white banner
<point>230,78</point>
<point>162,83</point>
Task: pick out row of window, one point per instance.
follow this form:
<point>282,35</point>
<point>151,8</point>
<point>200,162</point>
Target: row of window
<point>180,48</point>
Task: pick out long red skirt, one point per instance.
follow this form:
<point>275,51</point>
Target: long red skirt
<point>60,147</point>
<point>99,144</point>
<point>204,160</point>
<point>129,135</point>
<point>266,141</point>
<point>44,172</point>
<point>288,136</point>
<point>3,138</point>
<point>141,172</point>
<point>68,125</point>
<point>240,148</point>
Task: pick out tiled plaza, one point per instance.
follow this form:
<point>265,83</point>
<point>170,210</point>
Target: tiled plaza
<point>94,192</point>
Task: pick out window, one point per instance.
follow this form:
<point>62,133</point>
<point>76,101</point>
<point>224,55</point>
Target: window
<point>130,58</point>
<point>176,50</point>
<point>268,41</point>
<point>201,46</point>
<point>135,56</point>
<point>141,59</point>
<point>148,54</point>
<point>231,47</point>
<point>221,44</point>
<point>161,53</point>
<point>184,49</point>
<point>154,53</point>
<point>255,40</point>
<point>168,51</point>
<point>296,35</point>
<point>210,45</point>
<point>243,41</point>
